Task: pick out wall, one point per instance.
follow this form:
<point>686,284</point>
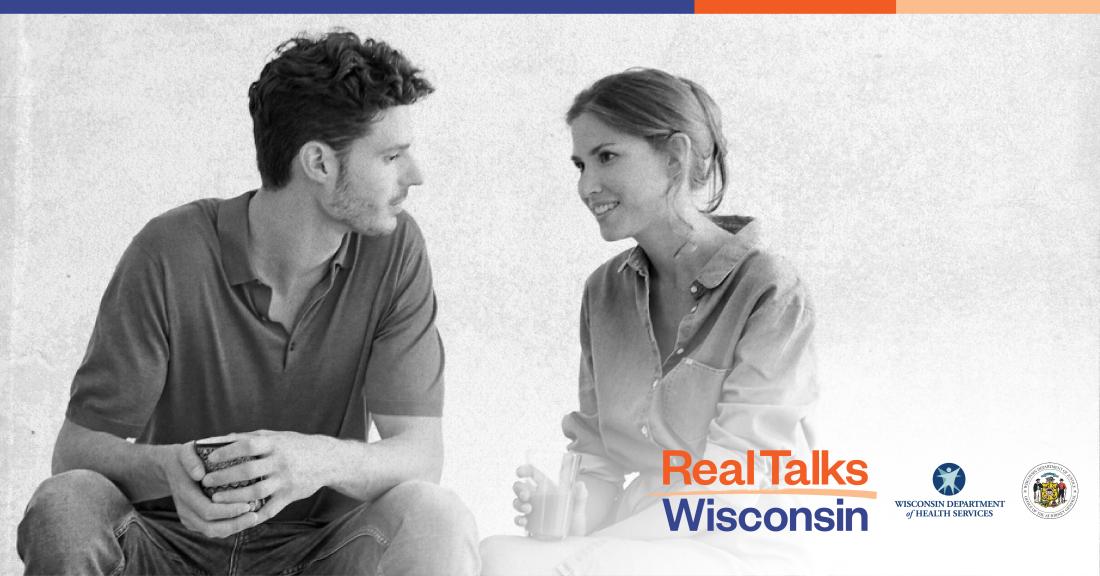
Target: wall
<point>934,179</point>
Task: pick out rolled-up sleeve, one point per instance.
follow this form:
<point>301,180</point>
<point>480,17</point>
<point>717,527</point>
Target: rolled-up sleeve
<point>582,426</point>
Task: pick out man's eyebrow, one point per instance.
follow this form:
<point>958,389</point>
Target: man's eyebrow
<point>396,148</point>
<point>594,150</point>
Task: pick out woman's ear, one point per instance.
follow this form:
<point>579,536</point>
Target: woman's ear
<point>678,148</point>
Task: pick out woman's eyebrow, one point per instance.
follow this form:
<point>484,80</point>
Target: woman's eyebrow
<point>593,151</point>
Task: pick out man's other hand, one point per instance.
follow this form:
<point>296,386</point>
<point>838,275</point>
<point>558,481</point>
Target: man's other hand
<point>183,469</point>
<point>288,466</point>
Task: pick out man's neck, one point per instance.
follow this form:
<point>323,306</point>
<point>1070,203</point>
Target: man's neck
<point>290,239</point>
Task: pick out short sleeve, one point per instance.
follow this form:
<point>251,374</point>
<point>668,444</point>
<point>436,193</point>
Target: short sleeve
<point>582,426</point>
<point>120,380</point>
<point>404,375</point>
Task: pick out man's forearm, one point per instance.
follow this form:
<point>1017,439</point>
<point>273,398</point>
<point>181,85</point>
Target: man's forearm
<point>135,468</point>
<point>366,470</point>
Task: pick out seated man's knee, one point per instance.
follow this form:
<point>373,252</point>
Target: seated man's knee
<point>74,498</point>
<point>73,490</point>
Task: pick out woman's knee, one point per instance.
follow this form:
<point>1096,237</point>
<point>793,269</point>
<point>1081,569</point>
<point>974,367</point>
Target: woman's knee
<point>502,555</point>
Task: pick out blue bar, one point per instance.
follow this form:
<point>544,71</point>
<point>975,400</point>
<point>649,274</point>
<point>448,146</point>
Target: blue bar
<point>347,7</point>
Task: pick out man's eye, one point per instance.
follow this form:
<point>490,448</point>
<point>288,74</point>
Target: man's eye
<point>606,157</point>
<point>393,157</point>
<point>579,166</point>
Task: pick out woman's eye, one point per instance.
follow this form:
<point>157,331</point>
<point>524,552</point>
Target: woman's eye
<point>393,157</point>
<point>579,166</point>
<point>606,157</point>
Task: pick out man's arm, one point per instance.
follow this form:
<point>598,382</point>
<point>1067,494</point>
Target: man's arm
<point>293,466</point>
<point>144,472</point>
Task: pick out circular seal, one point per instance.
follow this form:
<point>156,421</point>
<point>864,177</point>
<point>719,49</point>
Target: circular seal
<point>1049,490</point>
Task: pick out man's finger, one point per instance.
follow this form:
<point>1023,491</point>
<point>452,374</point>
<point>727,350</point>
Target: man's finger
<point>226,528</point>
<point>190,461</point>
<point>256,491</point>
<point>245,446</point>
<point>242,472</point>
<point>273,507</point>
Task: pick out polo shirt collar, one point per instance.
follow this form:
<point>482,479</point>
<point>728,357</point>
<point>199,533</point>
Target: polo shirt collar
<point>233,235</point>
<point>744,236</point>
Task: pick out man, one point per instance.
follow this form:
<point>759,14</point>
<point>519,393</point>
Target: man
<point>288,319</point>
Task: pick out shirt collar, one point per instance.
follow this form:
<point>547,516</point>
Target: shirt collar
<point>233,235</point>
<point>744,236</point>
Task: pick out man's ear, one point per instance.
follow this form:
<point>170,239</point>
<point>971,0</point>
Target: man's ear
<point>318,162</point>
<point>678,148</point>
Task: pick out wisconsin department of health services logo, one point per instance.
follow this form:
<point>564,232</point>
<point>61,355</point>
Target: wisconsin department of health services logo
<point>1049,490</point>
<point>948,479</point>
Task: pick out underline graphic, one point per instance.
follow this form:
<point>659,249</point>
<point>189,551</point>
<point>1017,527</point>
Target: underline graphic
<point>804,491</point>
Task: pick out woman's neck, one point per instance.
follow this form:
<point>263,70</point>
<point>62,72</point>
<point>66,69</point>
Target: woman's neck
<point>678,252</point>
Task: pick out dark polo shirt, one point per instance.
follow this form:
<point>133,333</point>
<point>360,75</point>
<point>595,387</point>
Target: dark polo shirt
<point>183,349</point>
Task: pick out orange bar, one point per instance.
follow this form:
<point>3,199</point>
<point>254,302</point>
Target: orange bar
<point>998,6</point>
<point>794,6</point>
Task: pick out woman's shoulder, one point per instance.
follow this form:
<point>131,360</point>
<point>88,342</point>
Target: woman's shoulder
<point>752,265</point>
<point>611,273</point>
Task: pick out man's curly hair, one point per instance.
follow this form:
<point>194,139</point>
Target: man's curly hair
<point>329,89</point>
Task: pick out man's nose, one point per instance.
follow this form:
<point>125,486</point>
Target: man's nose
<point>413,177</point>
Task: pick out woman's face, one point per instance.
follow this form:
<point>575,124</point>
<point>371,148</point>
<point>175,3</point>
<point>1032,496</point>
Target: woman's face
<point>623,180</point>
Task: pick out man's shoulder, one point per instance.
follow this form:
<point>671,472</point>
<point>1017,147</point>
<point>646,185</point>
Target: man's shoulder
<point>405,239</point>
<point>180,231</point>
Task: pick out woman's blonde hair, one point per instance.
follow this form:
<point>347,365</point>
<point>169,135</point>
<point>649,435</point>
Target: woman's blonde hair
<point>656,105</point>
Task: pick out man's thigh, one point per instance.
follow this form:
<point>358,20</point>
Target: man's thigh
<point>157,543</point>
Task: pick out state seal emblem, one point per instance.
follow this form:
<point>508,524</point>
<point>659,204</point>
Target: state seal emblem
<point>1049,490</point>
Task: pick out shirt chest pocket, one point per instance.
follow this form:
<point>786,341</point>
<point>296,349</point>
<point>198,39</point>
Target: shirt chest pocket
<point>688,400</point>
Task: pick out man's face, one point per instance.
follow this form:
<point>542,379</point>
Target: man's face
<point>375,176</point>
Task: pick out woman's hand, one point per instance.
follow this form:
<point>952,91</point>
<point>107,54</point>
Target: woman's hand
<point>533,482</point>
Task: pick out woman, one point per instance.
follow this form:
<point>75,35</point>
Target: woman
<point>697,339</point>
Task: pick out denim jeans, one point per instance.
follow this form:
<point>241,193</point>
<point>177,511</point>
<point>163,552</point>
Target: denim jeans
<point>79,522</point>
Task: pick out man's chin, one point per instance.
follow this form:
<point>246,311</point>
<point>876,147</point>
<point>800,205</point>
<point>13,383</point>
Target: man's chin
<point>376,226</point>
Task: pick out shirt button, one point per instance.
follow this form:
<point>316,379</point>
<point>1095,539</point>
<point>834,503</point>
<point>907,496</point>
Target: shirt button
<point>656,382</point>
<point>694,308</point>
<point>645,430</point>
<point>293,345</point>
<point>694,289</point>
<point>679,351</point>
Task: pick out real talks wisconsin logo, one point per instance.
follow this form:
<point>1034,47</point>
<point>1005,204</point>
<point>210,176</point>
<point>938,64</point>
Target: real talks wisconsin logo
<point>1049,490</point>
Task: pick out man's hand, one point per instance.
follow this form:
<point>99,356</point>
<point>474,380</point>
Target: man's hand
<point>289,466</point>
<point>182,468</point>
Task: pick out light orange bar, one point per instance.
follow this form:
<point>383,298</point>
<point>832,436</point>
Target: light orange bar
<point>803,491</point>
<point>998,6</point>
<point>794,6</point>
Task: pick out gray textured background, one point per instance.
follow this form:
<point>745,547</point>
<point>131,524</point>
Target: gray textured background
<point>934,179</point>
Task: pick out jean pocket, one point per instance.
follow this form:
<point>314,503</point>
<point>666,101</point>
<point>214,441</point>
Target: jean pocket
<point>689,400</point>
